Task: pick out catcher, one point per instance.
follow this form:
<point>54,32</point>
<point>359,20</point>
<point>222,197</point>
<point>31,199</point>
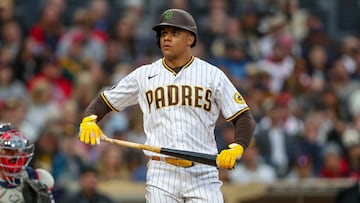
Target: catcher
<point>19,182</point>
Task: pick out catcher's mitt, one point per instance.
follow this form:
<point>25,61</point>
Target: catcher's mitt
<point>35,192</point>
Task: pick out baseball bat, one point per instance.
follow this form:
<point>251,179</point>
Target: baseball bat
<point>208,159</point>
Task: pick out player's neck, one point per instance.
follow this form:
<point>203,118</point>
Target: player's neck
<point>178,62</point>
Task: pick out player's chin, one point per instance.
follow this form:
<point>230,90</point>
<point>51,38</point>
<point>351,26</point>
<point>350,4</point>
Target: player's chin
<point>165,49</point>
<point>167,53</point>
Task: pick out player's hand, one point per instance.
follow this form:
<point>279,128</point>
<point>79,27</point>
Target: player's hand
<point>227,157</point>
<point>90,132</point>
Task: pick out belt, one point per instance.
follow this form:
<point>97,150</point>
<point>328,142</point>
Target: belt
<point>173,161</point>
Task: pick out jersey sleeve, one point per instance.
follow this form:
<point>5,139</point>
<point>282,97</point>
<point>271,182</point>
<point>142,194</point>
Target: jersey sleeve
<point>230,101</point>
<point>123,94</point>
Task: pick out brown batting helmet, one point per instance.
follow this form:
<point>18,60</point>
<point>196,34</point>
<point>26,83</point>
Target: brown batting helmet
<point>176,18</point>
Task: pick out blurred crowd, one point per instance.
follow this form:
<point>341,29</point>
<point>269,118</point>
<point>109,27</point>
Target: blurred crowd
<point>301,83</point>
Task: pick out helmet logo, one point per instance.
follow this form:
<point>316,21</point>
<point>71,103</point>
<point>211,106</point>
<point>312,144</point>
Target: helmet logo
<point>168,15</point>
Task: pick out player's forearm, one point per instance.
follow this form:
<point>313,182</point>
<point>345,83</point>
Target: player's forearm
<point>97,107</point>
<point>244,128</point>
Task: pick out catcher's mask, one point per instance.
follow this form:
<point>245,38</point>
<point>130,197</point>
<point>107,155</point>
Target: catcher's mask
<point>176,18</point>
<point>15,154</point>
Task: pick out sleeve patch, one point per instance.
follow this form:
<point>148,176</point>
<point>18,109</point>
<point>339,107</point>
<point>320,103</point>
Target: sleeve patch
<point>238,98</point>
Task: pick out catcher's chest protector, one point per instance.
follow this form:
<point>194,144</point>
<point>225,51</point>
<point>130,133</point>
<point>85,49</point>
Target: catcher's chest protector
<point>35,192</point>
<point>29,191</point>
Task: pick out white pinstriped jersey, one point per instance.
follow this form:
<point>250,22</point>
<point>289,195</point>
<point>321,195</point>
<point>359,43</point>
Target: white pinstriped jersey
<point>179,109</point>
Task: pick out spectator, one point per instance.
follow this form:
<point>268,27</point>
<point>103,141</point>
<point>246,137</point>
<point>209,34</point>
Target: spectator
<point>353,104</point>
<point>273,142</point>
<point>356,74</point>
<point>351,142</point>
<point>317,68</point>
<point>137,165</point>
<point>67,137</point>
<point>117,122</point>
<point>48,30</point>
<point>84,89</point>
<point>112,58</point>
<point>48,154</point>
<point>13,110</point>
<point>299,82</point>
<point>7,11</point>
<point>296,18</point>
<point>69,162</point>
<point>11,39</point>
<point>87,192</point>
<point>257,95</point>
<point>73,62</point>
<point>273,28</point>
<point>214,29</point>
<point>350,48</point>
<point>10,87</point>
<point>250,22</point>
<point>334,164</point>
<point>111,165</point>
<point>317,36</point>
<point>124,34</point>
<point>343,85</point>
<point>303,169</point>
<point>334,115</point>
<point>60,87</point>
<point>28,61</point>
<point>307,142</point>
<point>99,11</point>
<point>82,28</point>
<point>279,64</point>
<point>252,169</point>
<point>40,109</point>
<point>235,61</point>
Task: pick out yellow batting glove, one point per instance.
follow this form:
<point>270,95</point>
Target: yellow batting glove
<point>227,157</point>
<point>90,132</point>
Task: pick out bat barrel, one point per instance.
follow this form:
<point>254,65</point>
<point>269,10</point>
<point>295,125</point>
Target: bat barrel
<point>193,156</point>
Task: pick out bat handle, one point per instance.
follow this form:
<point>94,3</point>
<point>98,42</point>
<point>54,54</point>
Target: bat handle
<point>104,138</point>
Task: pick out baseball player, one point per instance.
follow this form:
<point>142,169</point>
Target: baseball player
<point>20,183</point>
<point>181,97</point>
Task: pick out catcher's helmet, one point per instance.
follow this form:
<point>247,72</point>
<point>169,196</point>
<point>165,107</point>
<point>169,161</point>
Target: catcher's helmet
<point>6,127</point>
<point>15,154</point>
<point>176,18</point>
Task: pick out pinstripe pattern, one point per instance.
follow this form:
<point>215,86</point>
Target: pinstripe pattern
<point>179,111</point>
<point>167,183</point>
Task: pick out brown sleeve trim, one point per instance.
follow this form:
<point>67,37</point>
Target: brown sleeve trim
<point>244,128</point>
<point>107,102</point>
<point>237,114</point>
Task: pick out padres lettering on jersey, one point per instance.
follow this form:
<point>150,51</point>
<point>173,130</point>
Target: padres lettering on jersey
<point>179,109</point>
<point>185,95</point>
